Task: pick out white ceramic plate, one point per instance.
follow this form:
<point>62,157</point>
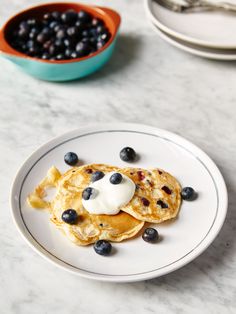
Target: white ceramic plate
<point>210,29</point>
<point>209,53</point>
<point>183,240</point>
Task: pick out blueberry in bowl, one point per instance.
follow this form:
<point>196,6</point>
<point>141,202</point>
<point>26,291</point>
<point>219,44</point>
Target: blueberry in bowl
<point>60,41</point>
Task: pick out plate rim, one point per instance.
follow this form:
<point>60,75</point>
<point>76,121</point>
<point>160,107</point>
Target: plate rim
<point>194,51</point>
<point>220,217</point>
<point>170,31</point>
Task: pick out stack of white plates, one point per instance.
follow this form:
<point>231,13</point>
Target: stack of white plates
<point>206,34</point>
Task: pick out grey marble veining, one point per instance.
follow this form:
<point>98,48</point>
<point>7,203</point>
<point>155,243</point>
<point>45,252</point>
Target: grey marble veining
<point>146,81</point>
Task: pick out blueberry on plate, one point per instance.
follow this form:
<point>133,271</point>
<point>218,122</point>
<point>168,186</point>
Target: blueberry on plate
<point>116,178</point>
<point>150,235</point>
<point>87,193</point>
<point>127,154</point>
<point>71,159</point>
<point>188,194</point>
<point>102,247</point>
<point>70,216</point>
<point>97,175</point>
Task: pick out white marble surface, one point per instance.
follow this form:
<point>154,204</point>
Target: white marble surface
<point>146,81</point>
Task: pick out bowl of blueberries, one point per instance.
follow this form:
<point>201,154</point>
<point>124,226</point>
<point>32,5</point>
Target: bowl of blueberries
<point>60,41</point>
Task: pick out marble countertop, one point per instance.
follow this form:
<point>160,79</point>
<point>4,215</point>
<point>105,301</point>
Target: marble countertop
<point>146,81</point>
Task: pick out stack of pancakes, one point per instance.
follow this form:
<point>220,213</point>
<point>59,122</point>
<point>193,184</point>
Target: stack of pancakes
<point>157,198</point>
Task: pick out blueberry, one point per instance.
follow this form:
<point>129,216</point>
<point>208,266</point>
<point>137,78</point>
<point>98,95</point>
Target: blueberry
<point>56,15</point>
<point>92,32</point>
<point>83,49</point>
<point>47,16</point>
<point>34,32</point>
<point>53,24</point>
<point>34,51</point>
<point>53,49</point>
<point>116,178</point>
<point>102,247</point>
<point>60,56</point>
<point>188,194</point>
<point>72,31</point>
<point>45,56</point>
<point>161,204</point>
<point>85,40</point>
<point>32,22</point>
<point>105,36</point>
<point>127,154</point>
<point>97,22</point>
<point>68,52</point>
<point>47,44</point>
<point>93,43</point>
<point>100,44</point>
<point>71,159</point>
<point>59,43</point>
<point>32,48</point>
<point>30,44</point>
<point>47,31</point>
<point>150,235</point>
<point>80,25</point>
<point>84,16</point>
<point>61,34</point>
<point>87,193</point>
<point>85,33</point>
<point>23,33</point>
<point>58,27</point>
<point>101,29</point>
<point>70,42</point>
<point>69,17</point>
<point>97,175</point>
<point>70,216</point>
<point>24,25</point>
<point>145,201</point>
<point>42,38</point>
<point>74,55</point>
<point>166,190</point>
<point>23,47</point>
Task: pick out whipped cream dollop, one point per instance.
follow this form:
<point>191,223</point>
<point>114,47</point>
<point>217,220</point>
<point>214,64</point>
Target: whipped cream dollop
<point>107,198</point>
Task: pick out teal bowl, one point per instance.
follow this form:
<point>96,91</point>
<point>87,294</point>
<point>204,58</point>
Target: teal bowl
<point>64,70</point>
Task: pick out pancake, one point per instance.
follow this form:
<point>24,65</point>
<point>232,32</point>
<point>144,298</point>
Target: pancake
<point>157,197</point>
<point>89,228</point>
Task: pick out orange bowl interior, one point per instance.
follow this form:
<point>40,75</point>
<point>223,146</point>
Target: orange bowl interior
<point>110,18</point>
